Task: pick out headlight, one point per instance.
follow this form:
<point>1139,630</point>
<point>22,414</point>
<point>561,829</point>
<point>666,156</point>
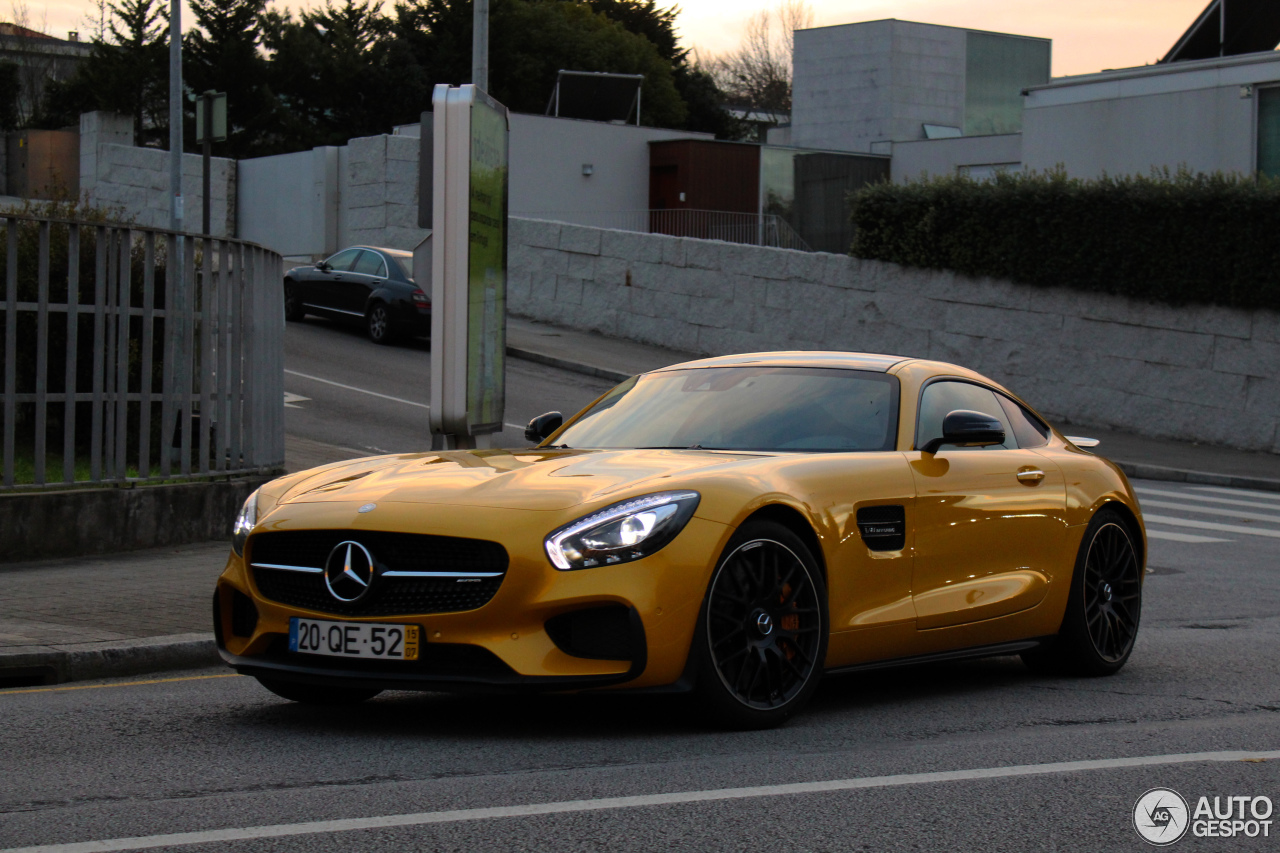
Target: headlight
<point>623,532</point>
<point>245,521</point>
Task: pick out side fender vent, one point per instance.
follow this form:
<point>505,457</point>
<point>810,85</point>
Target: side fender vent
<point>883,528</point>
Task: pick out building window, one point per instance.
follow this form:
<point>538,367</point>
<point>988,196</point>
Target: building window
<point>1269,131</point>
<point>997,69</point>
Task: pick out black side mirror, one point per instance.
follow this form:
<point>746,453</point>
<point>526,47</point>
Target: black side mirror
<point>323,266</point>
<point>967,429</point>
<point>542,426</point>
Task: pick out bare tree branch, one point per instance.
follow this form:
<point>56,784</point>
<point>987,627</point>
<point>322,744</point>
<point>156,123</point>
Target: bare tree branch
<point>757,75</point>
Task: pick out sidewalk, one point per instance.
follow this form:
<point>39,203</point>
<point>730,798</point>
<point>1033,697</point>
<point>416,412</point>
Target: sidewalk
<point>149,611</point>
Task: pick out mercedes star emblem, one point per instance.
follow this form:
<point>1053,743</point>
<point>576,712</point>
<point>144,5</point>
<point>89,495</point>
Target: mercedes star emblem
<point>348,573</point>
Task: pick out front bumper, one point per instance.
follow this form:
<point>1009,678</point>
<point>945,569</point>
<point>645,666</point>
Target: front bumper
<point>506,644</point>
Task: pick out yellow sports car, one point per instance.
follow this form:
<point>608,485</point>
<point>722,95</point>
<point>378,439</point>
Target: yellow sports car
<point>735,527</point>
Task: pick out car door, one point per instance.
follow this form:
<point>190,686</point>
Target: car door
<point>989,522</point>
<point>367,273</point>
<point>326,288</point>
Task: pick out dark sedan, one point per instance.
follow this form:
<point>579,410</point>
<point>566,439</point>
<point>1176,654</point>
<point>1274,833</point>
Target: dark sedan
<point>364,284</point>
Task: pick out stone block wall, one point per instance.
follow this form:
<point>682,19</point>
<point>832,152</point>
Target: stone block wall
<point>1194,373</point>
<point>381,192</point>
<point>115,174</point>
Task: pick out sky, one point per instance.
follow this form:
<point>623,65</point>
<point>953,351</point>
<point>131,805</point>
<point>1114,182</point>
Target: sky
<point>1088,35</point>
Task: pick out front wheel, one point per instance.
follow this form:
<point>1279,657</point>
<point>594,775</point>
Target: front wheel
<point>1105,604</point>
<point>312,694</point>
<point>378,324</point>
<point>762,636</point>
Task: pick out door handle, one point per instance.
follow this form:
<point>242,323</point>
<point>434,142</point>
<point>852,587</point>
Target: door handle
<point>1030,475</point>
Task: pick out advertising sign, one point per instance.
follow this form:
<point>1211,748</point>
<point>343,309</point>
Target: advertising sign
<point>469,264</point>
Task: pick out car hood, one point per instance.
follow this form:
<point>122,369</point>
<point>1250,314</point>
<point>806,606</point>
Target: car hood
<point>515,479</point>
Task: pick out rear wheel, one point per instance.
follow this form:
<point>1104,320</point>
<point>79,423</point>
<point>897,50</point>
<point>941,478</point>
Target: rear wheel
<point>378,324</point>
<point>762,638</point>
<point>1105,605</point>
<point>312,694</point>
<point>293,307</point>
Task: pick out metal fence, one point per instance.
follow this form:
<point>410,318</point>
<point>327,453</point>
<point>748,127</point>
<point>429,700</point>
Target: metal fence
<point>134,355</point>
<point>752,229</point>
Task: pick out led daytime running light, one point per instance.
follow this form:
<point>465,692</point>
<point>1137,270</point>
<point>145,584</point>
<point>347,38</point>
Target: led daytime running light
<point>555,542</point>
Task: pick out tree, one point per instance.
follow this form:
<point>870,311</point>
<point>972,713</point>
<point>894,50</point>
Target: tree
<point>222,55</point>
<point>127,74</point>
<point>757,76</point>
<point>529,42</point>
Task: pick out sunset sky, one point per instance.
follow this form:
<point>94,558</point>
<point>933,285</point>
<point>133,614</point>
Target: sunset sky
<point>1088,35</point>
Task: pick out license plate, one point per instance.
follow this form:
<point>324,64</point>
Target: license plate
<point>353,639</point>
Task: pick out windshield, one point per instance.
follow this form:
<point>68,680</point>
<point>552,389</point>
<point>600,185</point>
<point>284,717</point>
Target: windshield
<point>745,408</point>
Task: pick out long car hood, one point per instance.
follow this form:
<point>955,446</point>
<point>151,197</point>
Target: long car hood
<point>534,479</point>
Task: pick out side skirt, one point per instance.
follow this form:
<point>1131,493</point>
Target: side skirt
<point>996,650</point>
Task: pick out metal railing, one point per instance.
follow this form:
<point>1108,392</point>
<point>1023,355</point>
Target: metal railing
<point>752,229</point>
<point>134,354</point>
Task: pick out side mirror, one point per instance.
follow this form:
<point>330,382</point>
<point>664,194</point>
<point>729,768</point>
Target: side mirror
<point>967,429</point>
<point>323,266</point>
<point>542,426</point>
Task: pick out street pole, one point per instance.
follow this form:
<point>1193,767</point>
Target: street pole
<point>176,249</point>
<point>480,45</point>
<point>206,104</point>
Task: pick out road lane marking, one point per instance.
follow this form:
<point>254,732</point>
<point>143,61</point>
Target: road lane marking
<point>1183,537</point>
<point>1189,496</point>
<point>1252,493</point>
<point>1213,510</point>
<point>12,692</point>
<point>1210,525</point>
<point>374,393</point>
<point>285,830</point>
<point>291,400</point>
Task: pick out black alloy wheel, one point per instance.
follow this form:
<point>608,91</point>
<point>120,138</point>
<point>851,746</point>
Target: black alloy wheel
<point>1112,592</point>
<point>378,323</point>
<point>763,635</point>
<point>314,694</point>
<point>293,307</point>
<point>1104,607</point>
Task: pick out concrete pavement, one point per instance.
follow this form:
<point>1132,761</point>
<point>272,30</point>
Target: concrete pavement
<point>149,611</point>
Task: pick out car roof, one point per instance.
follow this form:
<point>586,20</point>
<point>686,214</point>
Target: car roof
<point>798,358</point>
<point>395,253</point>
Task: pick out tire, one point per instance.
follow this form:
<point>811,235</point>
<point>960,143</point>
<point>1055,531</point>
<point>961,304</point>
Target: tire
<point>312,694</point>
<point>762,634</point>
<point>1104,607</point>
<point>377,323</point>
<point>293,308</point>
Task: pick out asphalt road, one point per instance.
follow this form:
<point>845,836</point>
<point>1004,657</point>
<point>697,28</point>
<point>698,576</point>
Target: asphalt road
<point>227,766</point>
<point>345,390</point>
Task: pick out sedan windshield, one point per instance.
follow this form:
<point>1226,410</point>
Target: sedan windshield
<point>745,408</point>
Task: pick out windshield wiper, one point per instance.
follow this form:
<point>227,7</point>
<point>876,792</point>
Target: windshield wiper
<point>677,447</point>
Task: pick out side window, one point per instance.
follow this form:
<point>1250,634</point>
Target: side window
<point>1027,428</point>
<point>941,398</point>
<point>342,261</point>
<point>370,263</point>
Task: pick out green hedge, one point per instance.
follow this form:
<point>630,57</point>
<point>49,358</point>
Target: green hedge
<point>1176,238</point>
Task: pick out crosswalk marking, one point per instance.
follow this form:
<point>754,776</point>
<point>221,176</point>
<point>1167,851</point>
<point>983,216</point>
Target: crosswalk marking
<point>1271,496</point>
<point>1213,510</point>
<point>1182,537</point>
<point>1210,525</point>
<point>1167,493</point>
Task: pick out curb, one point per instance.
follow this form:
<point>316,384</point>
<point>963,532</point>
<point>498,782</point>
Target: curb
<point>566,364</point>
<point>1144,471</point>
<point>110,659</point>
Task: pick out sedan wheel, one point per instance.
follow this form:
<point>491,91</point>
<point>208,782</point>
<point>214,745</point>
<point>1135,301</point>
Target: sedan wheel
<point>378,324</point>
<point>293,308</point>
<point>1105,605</point>
<point>763,635</point>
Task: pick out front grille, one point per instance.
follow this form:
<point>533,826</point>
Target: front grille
<point>388,596</point>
